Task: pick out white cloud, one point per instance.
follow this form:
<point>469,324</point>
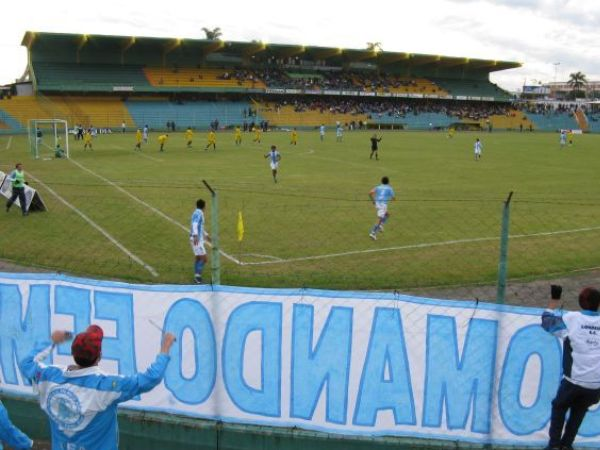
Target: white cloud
<point>535,32</point>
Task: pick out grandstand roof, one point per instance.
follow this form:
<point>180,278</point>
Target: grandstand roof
<point>41,41</point>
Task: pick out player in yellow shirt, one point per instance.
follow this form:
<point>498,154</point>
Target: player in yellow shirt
<point>294,137</point>
<point>451,132</point>
<point>256,135</point>
<point>162,139</point>
<point>238,136</point>
<point>212,140</point>
<point>189,135</point>
<point>87,140</point>
<point>570,137</point>
<point>138,139</point>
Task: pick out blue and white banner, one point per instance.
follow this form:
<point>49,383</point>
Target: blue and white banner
<point>341,362</point>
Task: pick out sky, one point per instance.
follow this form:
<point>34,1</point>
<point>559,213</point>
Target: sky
<point>552,38</point>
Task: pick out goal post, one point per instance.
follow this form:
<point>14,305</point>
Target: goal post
<point>48,137</point>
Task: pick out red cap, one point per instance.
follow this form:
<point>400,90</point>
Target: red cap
<point>87,346</point>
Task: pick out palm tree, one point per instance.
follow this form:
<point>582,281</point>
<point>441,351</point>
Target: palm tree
<point>577,80</point>
<point>212,35</point>
<point>374,46</point>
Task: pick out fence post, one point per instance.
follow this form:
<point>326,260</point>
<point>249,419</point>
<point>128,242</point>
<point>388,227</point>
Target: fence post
<point>503,260</point>
<point>215,261</point>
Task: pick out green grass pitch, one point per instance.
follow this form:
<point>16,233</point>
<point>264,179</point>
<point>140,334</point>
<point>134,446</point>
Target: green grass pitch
<point>311,229</point>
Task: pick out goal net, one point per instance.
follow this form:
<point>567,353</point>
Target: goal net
<point>49,138</point>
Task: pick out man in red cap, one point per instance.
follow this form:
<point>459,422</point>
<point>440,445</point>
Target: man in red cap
<point>80,400</point>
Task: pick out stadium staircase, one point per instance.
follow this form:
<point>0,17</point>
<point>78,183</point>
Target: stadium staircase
<point>197,78</point>
<point>582,120</point>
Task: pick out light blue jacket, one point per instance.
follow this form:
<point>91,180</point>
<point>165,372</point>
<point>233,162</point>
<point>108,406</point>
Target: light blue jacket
<point>11,435</point>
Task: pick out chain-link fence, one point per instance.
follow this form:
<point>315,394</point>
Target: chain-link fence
<point>442,247</point>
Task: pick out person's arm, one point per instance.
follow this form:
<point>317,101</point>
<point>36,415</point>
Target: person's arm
<point>148,380</point>
<point>372,195</point>
<point>11,435</point>
<point>551,321</point>
<point>195,225</point>
<point>32,365</point>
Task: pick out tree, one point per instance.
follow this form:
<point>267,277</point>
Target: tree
<point>577,80</point>
<point>374,46</point>
<point>212,35</point>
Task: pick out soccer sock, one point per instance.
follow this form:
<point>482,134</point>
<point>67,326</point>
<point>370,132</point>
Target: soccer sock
<point>198,266</point>
<point>375,228</point>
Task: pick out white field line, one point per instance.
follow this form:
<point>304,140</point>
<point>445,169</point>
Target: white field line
<point>147,205</point>
<point>8,143</point>
<point>421,245</point>
<point>98,228</point>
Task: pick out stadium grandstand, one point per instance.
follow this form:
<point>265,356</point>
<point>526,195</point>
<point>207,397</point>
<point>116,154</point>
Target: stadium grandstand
<point>105,81</point>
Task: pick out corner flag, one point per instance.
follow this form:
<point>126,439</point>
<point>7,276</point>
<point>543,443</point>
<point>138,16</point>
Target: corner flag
<point>240,227</point>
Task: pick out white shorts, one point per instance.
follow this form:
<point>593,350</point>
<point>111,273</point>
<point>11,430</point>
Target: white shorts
<point>199,248</point>
<point>478,152</point>
<point>381,209</point>
<point>274,166</point>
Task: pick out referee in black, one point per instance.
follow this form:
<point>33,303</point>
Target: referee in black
<point>374,148</point>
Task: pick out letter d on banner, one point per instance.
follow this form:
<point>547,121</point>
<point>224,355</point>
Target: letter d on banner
<point>263,317</point>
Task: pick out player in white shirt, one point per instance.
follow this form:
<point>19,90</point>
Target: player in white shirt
<point>339,133</point>
<point>563,138</point>
<point>477,147</point>
<point>145,134</point>
<point>322,132</point>
<point>274,157</point>
<point>197,240</point>
<point>580,385</point>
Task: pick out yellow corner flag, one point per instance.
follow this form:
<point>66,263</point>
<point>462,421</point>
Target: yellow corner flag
<point>240,227</point>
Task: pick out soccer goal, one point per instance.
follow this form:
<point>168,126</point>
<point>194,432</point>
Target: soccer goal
<point>49,138</point>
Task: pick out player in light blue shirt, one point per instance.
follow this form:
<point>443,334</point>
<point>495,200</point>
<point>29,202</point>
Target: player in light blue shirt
<point>197,240</point>
<point>274,157</point>
<point>322,132</point>
<point>380,196</point>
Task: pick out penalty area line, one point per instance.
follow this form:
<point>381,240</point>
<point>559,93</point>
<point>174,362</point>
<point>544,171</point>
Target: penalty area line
<point>93,224</point>
<point>150,207</point>
<point>416,246</point>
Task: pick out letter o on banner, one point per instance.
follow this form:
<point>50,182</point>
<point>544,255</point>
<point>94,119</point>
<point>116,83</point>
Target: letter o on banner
<point>190,314</point>
<point>525,343</point>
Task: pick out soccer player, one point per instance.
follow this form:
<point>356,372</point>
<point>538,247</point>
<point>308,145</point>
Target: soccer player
<point>17,180</point>
<point>138,139</point>
<point>145,134</point>
<point>238,136</point>
<point>274,158</point>
<point>212,140</point>
<point>580,385</point>
<point>256,135</point>
<point>81,400</point>
<point>375,146</point>
<point>570,137</point>
<point>11,435</point>
<point>123,127</point>
<point>477,147</point>
<point>197,240</point>
<point>339,133</point>
<point>451,132</point>
<point>87,140</point>
<point>563,138</point>
<point>380,196</point>
<point>162,139</point>
<point>189,134</point>
<point>322,132</point>
<point>294,137</point>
